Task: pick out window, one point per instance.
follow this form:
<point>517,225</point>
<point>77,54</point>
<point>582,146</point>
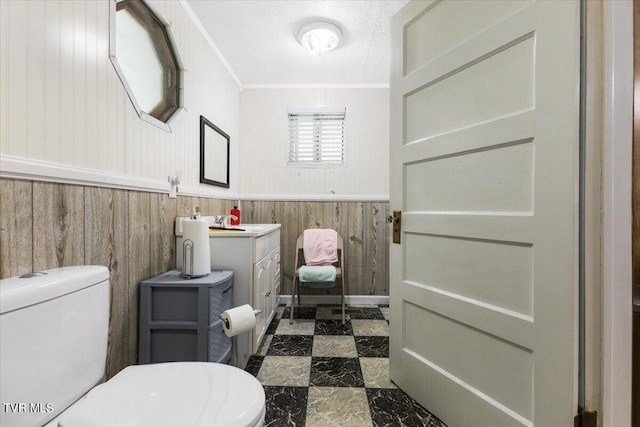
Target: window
<point>145,61</point>
<point>316,136</point>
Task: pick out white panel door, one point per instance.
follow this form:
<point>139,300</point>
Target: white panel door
<point>484,137</point>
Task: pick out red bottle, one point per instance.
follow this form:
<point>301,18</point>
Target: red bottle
<point>235,212</point>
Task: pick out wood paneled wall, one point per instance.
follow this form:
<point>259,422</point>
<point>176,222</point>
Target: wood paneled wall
<point>62,101</point>
<point>636,159</point>
<point>362,225</point>
<point>46,225</point>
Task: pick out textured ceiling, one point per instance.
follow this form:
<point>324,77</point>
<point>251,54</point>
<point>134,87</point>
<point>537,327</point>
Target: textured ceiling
<point>259,40</point>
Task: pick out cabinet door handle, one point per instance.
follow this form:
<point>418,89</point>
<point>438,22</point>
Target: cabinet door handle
<point>267,294</point>
<point>228,287</point>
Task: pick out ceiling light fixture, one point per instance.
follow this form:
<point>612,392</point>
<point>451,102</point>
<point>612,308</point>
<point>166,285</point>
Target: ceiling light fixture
<point>320,37</point>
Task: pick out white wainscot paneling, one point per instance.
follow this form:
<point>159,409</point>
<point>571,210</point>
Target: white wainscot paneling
<point>64,105</point>
<point>264,132</point>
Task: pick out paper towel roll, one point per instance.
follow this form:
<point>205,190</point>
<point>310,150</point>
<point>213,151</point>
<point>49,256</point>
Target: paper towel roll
<point>195,233</point>
<point>238,320</point>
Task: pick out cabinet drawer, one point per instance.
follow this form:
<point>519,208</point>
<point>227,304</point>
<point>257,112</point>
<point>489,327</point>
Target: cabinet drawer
<point>219,344</point>
<point>177,304</point>
<point>220,299</point>
<point>266,243</point>
<point>170,345</point>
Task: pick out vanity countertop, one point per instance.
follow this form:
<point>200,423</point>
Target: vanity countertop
<point>252,230</point>
<point>242,230</point>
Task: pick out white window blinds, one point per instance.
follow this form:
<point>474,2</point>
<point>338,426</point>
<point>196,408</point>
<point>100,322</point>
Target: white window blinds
<point>316,136</point>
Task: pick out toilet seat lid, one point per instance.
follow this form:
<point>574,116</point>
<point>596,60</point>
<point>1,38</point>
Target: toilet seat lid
<point>197,394</point>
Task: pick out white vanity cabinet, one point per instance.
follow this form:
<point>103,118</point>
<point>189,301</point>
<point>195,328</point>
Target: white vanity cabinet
<point>254,257</point>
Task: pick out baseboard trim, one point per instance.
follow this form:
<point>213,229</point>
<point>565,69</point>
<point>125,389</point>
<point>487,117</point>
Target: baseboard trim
<point>335,299</point>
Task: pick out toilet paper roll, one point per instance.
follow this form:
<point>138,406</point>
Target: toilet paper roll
<point>238,320</point>
<point>196,232</point>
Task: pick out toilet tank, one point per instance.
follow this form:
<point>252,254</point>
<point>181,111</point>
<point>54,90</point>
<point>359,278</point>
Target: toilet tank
<point>54,327</point>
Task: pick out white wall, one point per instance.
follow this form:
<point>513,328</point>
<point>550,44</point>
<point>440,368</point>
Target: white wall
<point>63,104</point>
<point>617,293</point>
<point>264,134</point>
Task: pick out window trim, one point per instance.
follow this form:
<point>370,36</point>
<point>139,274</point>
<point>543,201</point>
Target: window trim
<point>315,111</point>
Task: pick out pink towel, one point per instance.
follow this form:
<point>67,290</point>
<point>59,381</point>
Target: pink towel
<point>320,246</point>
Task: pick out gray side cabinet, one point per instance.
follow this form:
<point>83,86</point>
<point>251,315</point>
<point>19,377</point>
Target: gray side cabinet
<point>179,318</point>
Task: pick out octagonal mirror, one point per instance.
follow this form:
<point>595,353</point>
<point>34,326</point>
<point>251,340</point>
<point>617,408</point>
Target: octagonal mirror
<point>144,57</point>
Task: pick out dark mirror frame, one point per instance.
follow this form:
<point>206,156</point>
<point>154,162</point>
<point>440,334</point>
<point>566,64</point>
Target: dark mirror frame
<point>204,123</point>
<point>160,35</point>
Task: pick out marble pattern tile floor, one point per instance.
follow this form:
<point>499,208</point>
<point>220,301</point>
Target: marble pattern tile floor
<point>319,372</point>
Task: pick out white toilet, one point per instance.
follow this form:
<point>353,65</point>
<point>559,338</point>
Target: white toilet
<point>53,348</point>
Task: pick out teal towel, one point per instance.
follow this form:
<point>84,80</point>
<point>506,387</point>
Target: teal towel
<point>317,273</point>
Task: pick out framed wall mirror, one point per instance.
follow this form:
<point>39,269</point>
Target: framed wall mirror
<point>214,154</point>
<point>143,54</point>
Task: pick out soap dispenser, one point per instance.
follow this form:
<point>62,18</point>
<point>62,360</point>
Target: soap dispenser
<point>235,212</point>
